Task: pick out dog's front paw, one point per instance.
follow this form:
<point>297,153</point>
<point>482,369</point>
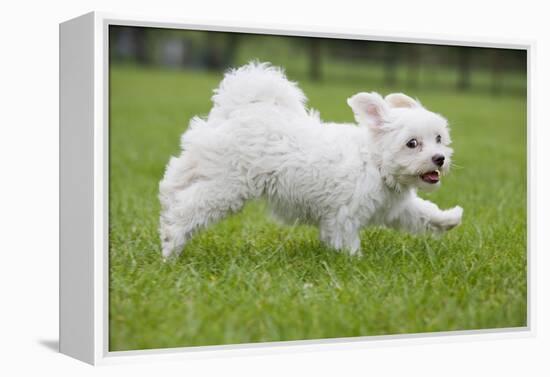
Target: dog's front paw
<point>451,218</point>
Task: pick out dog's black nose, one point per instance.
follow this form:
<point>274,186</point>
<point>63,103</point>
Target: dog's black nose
<point>438,159</point>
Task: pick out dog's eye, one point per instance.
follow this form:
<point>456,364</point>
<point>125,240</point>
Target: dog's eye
<point>438,139</point>
<point>413,143</point>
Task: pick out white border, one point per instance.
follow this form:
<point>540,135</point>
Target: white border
<point>103,356</point>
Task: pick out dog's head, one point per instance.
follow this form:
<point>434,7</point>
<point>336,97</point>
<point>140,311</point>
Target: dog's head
<point>411,143</point>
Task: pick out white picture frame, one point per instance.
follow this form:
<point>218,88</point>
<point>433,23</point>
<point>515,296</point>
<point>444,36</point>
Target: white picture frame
<point>84,219</point>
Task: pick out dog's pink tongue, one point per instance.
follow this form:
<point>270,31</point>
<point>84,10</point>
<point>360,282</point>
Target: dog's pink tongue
<point>431,177</point>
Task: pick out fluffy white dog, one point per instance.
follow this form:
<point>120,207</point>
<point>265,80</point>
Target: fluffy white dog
<point>259,140</point>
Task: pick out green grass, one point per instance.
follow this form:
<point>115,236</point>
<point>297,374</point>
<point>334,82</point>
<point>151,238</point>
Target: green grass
<point>248,279</point>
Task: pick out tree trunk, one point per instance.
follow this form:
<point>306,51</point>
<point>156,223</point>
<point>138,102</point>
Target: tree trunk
<point>496,85</point>
<point>464,69</point>
<point>315,59</point>
<point>390,64</point>
<point>142,55</point>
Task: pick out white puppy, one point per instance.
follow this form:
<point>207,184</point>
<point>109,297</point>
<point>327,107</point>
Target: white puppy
<point>259,140</point>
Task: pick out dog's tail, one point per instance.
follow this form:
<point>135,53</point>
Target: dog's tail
<point>257,83</point>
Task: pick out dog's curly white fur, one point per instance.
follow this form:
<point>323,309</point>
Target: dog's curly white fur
<point>259,139</point>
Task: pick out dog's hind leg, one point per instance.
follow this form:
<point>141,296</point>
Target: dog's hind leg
<point>199,205</point>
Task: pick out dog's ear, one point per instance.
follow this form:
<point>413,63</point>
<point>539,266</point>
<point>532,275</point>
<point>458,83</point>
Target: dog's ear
<point>369,108</point>
<point>401,100</point>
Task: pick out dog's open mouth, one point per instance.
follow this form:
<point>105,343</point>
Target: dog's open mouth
<point>431,177</point>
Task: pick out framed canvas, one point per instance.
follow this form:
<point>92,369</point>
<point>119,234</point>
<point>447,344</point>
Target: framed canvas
<point>167,246</point>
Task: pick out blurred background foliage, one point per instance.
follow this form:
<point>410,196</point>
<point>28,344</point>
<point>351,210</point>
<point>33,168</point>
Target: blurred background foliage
<point>324,60</point>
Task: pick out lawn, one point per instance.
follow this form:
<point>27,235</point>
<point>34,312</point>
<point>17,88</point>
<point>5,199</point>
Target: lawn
<point>249,279</point>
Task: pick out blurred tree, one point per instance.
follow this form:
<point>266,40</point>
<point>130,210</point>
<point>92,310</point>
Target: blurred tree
<point>497,62</point>
<point>213,54</point>
<point>220,50</point>
<point>140,43</point>
<point>391,51</point>
<point>413,57</point>
<point>315,59</point>
<point>464,68</point>
<point>233,42</point>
